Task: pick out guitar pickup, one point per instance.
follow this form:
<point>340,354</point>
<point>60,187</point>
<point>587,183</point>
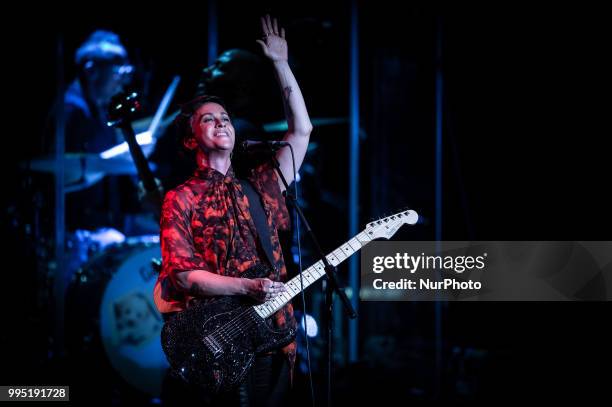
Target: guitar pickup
<point>212,345</point>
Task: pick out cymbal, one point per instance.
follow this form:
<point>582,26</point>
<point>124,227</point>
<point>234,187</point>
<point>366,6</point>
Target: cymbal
<point>78,163</point>
<point>83,169</point>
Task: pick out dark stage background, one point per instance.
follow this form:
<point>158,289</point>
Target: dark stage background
<point>525,157</point>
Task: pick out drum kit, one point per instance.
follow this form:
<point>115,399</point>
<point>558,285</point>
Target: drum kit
<point>110,310</point>
<point>110,321</point>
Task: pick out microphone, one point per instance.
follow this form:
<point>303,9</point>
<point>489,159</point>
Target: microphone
<point>262,146</point>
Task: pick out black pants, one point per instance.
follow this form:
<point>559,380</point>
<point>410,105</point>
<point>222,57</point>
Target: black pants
<point>267,384</point>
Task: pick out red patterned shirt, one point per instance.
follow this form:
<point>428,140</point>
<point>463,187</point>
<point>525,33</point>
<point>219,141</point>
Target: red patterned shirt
<point>206,225</point>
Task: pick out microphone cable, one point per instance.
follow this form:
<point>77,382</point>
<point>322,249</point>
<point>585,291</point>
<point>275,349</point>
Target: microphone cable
<point>299,248</point>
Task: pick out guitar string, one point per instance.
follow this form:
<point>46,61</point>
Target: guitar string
<point>231,332</point>
<point>231,328</point>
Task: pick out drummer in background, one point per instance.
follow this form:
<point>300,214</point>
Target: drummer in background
<point>103,70</point>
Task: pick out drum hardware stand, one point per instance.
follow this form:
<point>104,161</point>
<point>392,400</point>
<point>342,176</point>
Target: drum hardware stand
<point>60,198</point>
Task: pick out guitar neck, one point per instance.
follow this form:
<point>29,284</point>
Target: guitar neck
<point>312,274</point>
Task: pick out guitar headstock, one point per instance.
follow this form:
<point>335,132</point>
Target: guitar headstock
<point>386,227</point>
<point>123,108</point>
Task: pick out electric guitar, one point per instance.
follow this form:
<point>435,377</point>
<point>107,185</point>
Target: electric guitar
<point>212,344</point>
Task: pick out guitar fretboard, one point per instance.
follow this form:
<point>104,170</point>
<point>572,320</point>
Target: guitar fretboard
<point>312,274</point>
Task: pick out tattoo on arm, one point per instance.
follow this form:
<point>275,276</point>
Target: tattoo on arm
<point>286,95</point>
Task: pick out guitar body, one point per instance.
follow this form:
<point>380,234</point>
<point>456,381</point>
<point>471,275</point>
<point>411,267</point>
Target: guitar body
<point>212,344</point>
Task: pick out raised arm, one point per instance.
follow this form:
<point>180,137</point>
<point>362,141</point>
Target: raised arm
<point>274,47</point>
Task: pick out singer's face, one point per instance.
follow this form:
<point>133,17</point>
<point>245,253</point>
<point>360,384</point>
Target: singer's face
<point>212,128</point>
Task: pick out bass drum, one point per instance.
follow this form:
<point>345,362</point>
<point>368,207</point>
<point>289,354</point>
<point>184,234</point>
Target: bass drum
<point>113,325</point>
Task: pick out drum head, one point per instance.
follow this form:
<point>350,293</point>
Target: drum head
<point>113,298</point>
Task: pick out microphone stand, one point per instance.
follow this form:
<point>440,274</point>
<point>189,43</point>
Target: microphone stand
<point>333,285</point>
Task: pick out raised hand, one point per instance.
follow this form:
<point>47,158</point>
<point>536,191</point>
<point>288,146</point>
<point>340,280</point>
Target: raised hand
<point>273,44</point>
